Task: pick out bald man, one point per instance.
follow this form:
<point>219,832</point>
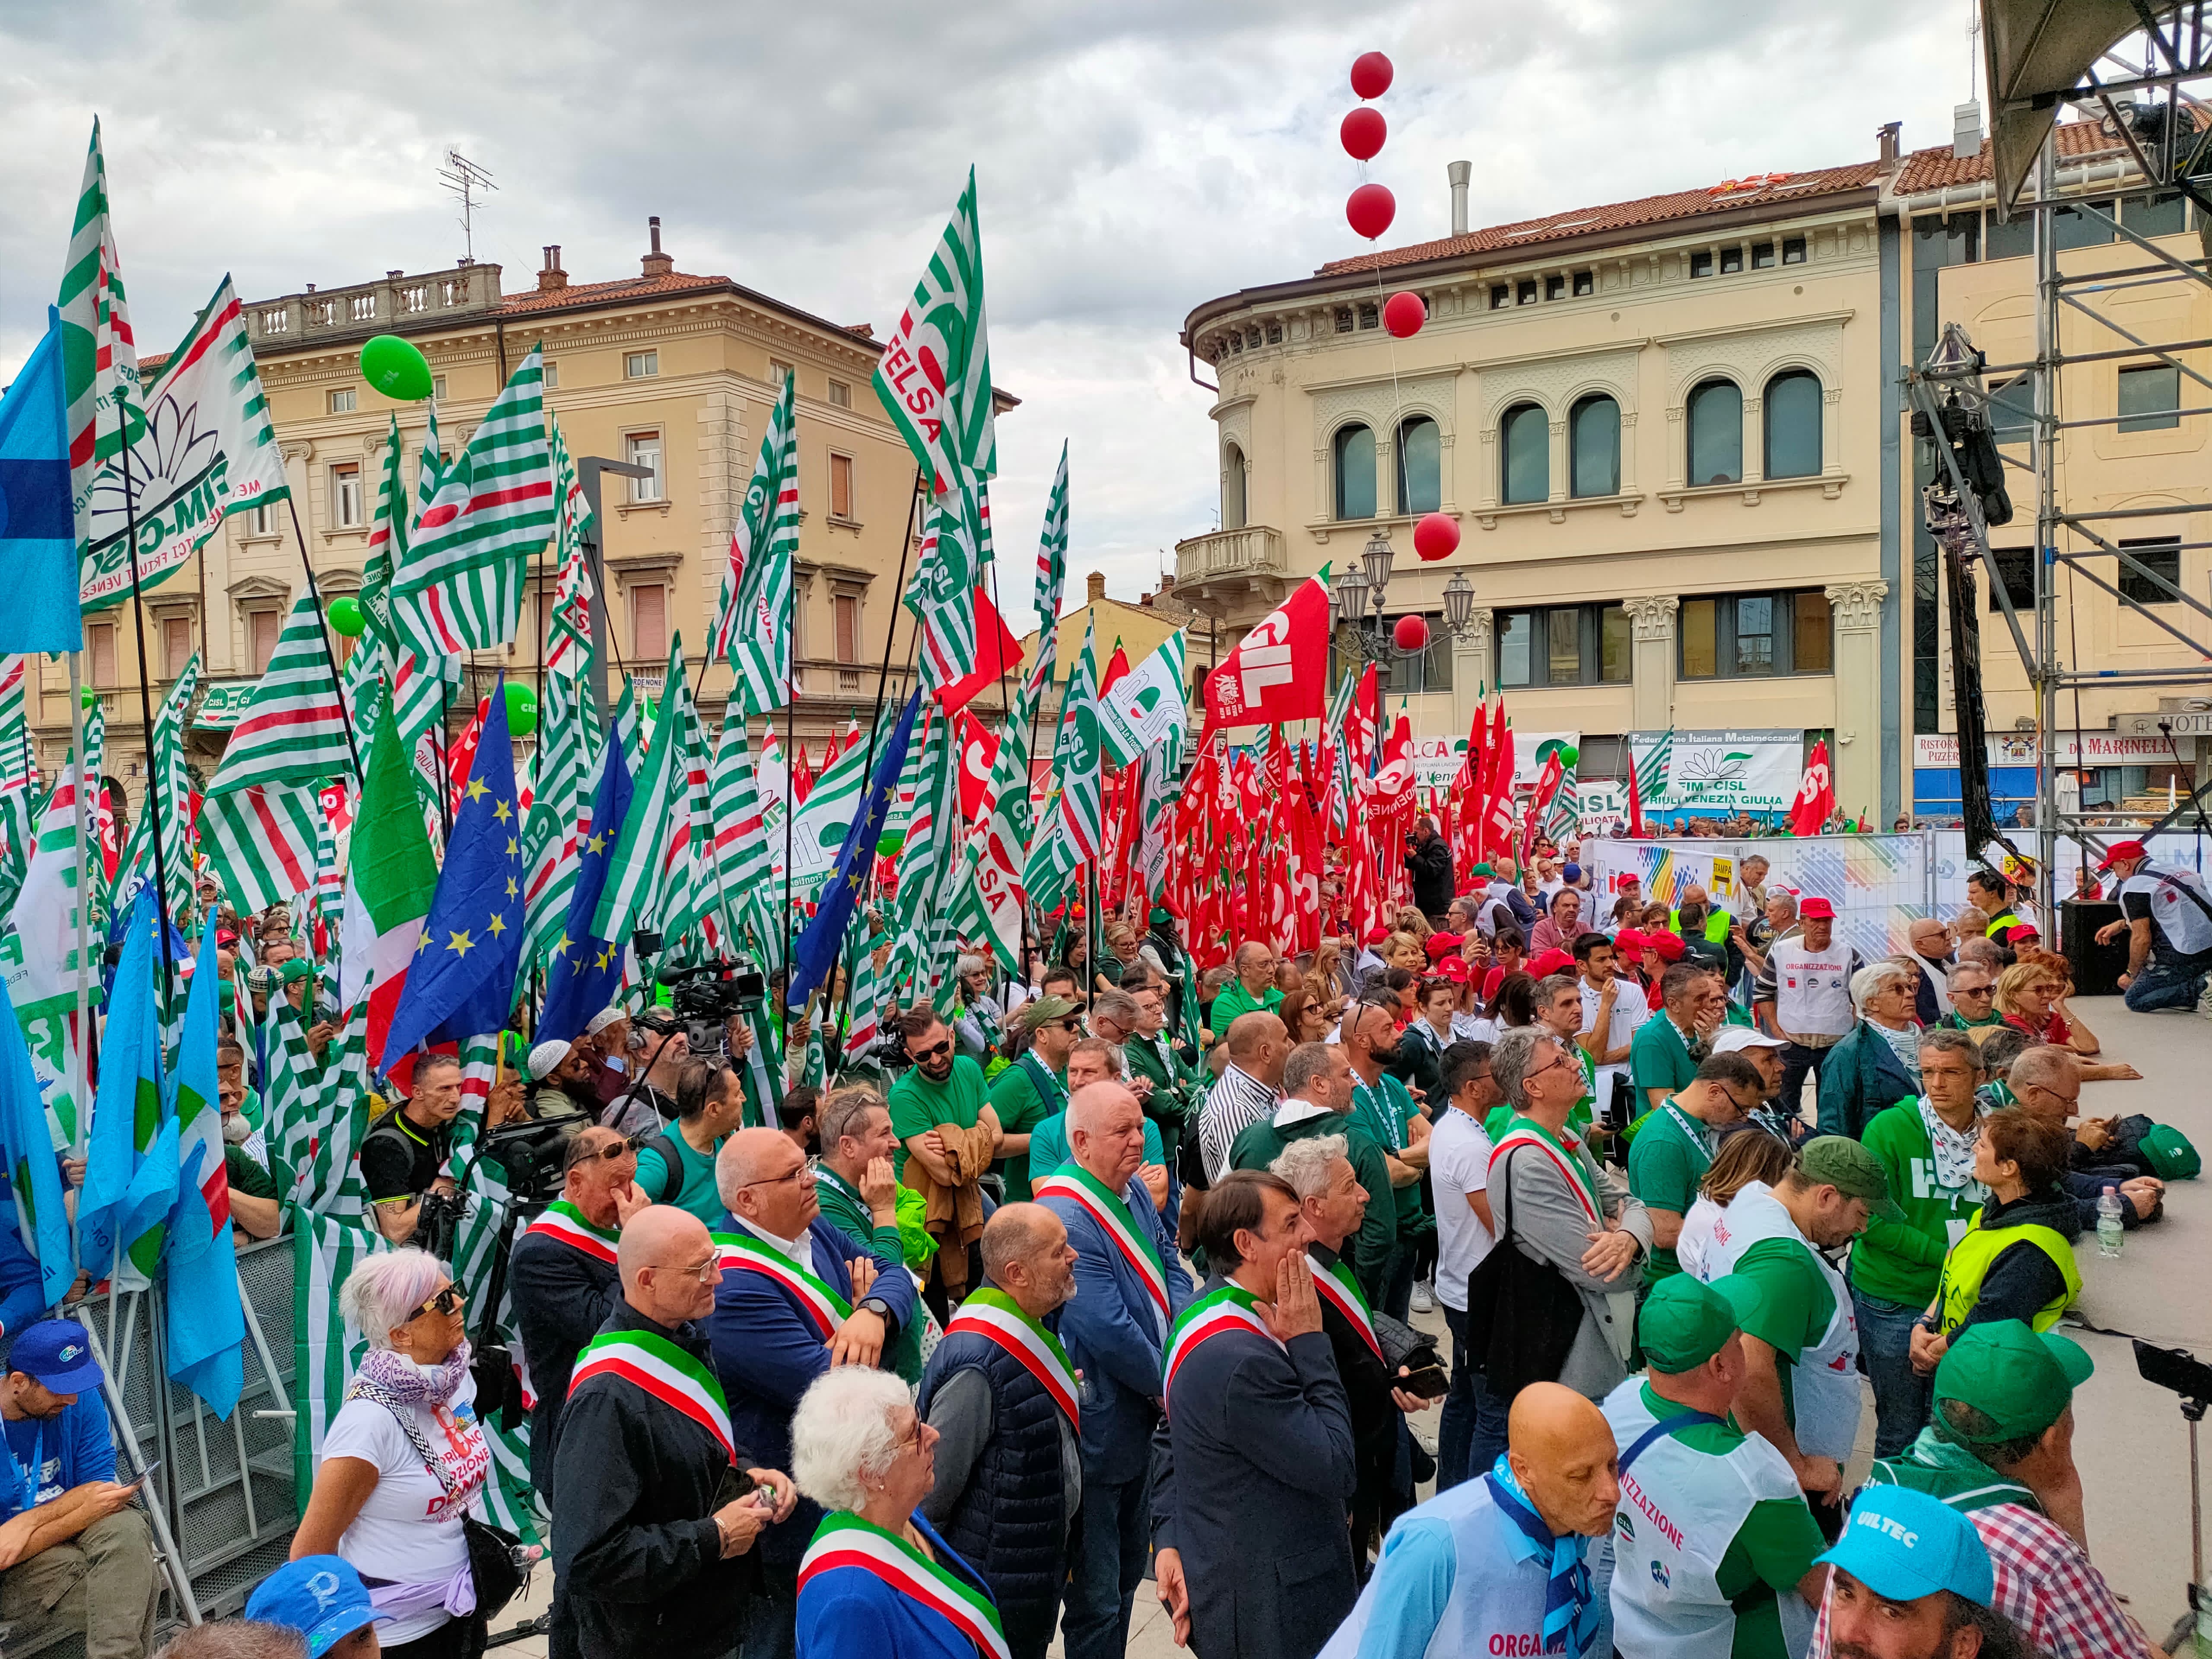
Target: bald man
<point>1249,1088</point>
<point>1000,1391</point>
<point>638,1471</point>
<point>2046,1081</point>
<point>1526,1524</point>
<point>1253,991</point>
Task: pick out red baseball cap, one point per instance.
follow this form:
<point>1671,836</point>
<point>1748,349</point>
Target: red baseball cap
<point>1376,935</point>
<point>1453,969</point>
<point>1441,945</point>
<point>1553,961</point>
<point>1629,942</point>
<point>1814,909</point>
<point>2122,850</point>
<point>1669,946</point>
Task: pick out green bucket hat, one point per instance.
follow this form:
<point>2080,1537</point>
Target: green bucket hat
<point>2169,1154</point>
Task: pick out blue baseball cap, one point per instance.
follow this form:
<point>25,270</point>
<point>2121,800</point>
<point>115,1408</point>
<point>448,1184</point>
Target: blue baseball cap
<point>1904,1545</point>
<point>320,1596</point>
<point>57,1355</point>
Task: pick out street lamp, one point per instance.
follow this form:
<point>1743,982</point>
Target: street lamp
<point>1458,604</point>
<point>1376,557</point>
<point>1351,591</point>
<point>1363,585</point>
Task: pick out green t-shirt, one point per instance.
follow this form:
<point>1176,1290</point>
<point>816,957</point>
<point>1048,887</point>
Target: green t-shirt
<point>696,1192</point>
<point>247,1173</point>
<point>1955,1021</point>
<point>1795,1306</point>
<point>1234,1002</point>
<point>1021,1107</point>
<point>1387,1112</point>
<point>1666,1162</point>
<point>1659,1059</point>
<point>918,1105</point>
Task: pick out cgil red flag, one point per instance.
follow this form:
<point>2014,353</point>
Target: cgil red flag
<point>1816,795</point>
<point>1279,671</point>
<point>997,656</point>
<point>979,752</point>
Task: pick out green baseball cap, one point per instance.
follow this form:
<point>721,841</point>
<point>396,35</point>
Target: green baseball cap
<point>1484,870</point>
<point>2022,1380</point>
<point>1042,1010</point>
<point>2169,1154</point>
<point>294,968</point>
<point>1685,1323</point>
<point>1839,1162</point>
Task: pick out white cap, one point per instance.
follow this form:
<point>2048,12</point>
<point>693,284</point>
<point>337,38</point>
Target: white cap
<point>546,1056</point>
<point>600,1021</point>
<point>1733,1039</point>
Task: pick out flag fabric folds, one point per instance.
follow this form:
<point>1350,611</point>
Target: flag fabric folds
<point>34,1179</point>
<point>819,948</point>
<point>1277,670</point>
<point>130,1160</point>
<point>294,730</point>
<point>391,877</point>
<point>935,375</point>
<point>752,623</point>
<point>586,971</point>
<point>206,1328</point>
<point>37,532</point>
<point>637,880</point>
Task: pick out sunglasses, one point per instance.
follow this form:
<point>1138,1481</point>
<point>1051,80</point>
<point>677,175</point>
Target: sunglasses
<point>934,1050</point>
<point>446,1302</point>
<point>629,1146</point>
<point>1975,991</point>
<point>1072,1023</point>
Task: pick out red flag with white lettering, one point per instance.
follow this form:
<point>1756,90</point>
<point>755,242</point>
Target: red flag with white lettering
<point>1279,671</point>
<point>1816,795</point>
<point>979,752</point>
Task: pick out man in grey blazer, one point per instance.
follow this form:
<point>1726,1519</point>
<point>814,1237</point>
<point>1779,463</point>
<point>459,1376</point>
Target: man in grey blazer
<point>1561,1208</point>
<point>1254,1465</point>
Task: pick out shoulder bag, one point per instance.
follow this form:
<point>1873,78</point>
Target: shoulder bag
<point>1522,1315</point>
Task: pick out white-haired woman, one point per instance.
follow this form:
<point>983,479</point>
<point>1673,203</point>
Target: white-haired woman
<point>877,1582</point>
<point>1878,1064</point>
<point>405,1459</point>
<point>978,1025</point>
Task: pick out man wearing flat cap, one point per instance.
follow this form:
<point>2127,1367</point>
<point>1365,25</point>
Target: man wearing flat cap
<point>1035,1087</point>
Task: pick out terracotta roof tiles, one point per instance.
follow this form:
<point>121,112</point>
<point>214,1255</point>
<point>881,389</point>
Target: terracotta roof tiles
<point>628,287</point>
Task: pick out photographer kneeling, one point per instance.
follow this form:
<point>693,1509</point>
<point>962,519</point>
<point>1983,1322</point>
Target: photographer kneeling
<point>403,1158</point>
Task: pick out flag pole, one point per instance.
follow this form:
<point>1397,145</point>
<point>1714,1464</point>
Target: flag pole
<point>81,1049</point>
<point>322,629</point>
<point>145,712</point>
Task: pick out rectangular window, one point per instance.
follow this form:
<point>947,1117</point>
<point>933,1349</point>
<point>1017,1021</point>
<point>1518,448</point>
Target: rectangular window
<point>2012,409</point>
<point>841,486</point>
<point>1429,671</point>
<point>2158,215</point>
<point>1562,649</point>
<point>1755,635</point>
<point>2015,569</point>
<point>648,623</point>
<point>1370,316</point>
<point>1615,645</point>
<point>1812,644</point>
<point>846,609</point>
<point>840,394</point>
<point>1516,630</point>
<point>262,628</point>
<point>1501,295</point>
<point>176,646</point>
<point>99,652</point>
<point>1701,264</point>
<point>1274,334</point>
<point>778,371</point>
<point>2150,397</point>
<point>1792,250</point>
<point>2161,556</point>
<point>1525,293</point>
<point>342,400</point>
<point>1555,288</point>
<point>1762,255</point>
<point>1585,284</point>
<point>345,495</point>
<point>1562,645</point>
<point>641,365</point>
<point>438,388</point>
<point>1731,260</point>
<point>258,521</point>
<point>552,376</point>
<point>1697,623</point>
<point>1344,319</point>
<point>644,449</point>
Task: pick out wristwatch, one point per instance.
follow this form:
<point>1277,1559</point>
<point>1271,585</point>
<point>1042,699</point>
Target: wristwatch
<point>878,1306</point>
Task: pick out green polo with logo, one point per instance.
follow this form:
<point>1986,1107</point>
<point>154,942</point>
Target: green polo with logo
<point>1666,1162</point>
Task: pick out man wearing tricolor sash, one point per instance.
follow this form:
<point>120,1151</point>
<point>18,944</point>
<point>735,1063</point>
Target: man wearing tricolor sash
<point>655,1512</point>
<point>1129,1286</point>
<point>797,1296</point>
<point>1256,1462</point>
<point>562,1276</point>
<point>1002,1395</point>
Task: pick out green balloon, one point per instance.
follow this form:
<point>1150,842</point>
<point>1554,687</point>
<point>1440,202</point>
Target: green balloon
<point>88,697</point>
<point>396,368</point>
<point>521,711</point>
<point>891,842</point>
<point>346,617</point>
<point>1568,755</point>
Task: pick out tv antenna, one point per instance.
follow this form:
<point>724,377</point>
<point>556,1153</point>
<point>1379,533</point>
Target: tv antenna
<point>462,178</point>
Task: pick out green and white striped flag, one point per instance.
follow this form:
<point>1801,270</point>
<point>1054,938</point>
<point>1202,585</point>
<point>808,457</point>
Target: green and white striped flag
<point>819,826</point>
<point>38,955</point>
<point>459,583</point>
<point>1076,757</point>
<point>637,871</point>
<point>373,665</point>
<point>294,730</point>
<point>989,893</point>
<point>752,623</point>
<point>1651,768</point>
<point>629,727</point>
<point>926,865</point>
<point>568,736</point>
<point>740,849</point>
<point>1146,709</point>
<point>260,842</point>
<point>692,914</point>
<point>99,355</point>
<point>934,376</point>
<point>1052,565</point>
<point>166,777</point>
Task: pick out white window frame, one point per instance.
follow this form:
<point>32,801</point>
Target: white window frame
<point>641,365</point>
<point>341,473</point>
<point>343,400</point>
<point>841,394</point>
<point>552,374</point>
<point>652,442</point>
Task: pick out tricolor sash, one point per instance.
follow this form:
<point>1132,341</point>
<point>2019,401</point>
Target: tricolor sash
<point>1232,1308</point>
<point>663,1371</point>
<point>996,1317</point>
<point>1526,1132</point>
<point>564,1221</point>
<point>750,1253</point>
<point>1073,1181</point>
<point>1337,1287</point>
<point>844,1539</point>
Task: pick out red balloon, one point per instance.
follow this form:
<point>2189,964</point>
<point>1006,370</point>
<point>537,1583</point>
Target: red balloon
<point>1370,74</point>
<point>1403,313</point>
<point>1363,133</point>
<point>1411,633</point>
<point>1370,210</point>
<point>1436,537</point>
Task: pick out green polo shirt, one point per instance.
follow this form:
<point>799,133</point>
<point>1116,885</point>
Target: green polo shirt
<point>918,1105</point>
<point>1666,1162</point>
<point>1658,1058</point>
<point>1387,1112</point>
<point>1795,1305</point>
<point>694,1190</point>
<point>1021,1106</point>
<point>1235,1001</point>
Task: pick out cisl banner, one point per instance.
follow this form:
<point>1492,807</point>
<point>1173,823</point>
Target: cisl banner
<point>1280,671</point>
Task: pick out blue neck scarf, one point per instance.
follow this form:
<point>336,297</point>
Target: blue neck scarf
<point>1570,1606</point>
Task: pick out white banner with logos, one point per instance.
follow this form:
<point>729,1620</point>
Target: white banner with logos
<point>1721,773</point>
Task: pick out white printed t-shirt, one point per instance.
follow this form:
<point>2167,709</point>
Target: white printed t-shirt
<point>1459,1163</point>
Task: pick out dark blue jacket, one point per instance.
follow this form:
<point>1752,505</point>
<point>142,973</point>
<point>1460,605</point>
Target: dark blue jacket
<point>847,1612</point>
<point>23,1293</point>
<point>1862,1076</point>
<point>768,1351</point>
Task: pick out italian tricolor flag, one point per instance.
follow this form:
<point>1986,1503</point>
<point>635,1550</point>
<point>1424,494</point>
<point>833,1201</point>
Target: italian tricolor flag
<point>391,875</point>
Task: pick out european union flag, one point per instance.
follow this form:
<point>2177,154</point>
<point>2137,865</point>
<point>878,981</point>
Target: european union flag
<point>462,981</point>
<point>587,972</point>
<point>38,530</point>
<point>819,945</point>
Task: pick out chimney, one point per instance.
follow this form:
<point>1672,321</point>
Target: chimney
<point>1095,581</point>
<point>1457,171</point>
<point>1887,134</point>
<point>552,276</point>
<point>1966,130</point>
<point>656,263</point>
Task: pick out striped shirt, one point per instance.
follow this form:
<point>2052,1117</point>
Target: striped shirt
<point>1236,1101</point>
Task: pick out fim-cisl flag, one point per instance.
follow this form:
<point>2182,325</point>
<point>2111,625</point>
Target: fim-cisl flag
<point>1140,710</point>
<point>1278,671</point>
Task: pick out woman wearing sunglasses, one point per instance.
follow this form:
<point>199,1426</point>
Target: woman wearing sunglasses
<point>405,1459</point>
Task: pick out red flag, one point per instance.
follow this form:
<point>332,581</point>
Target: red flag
<point>1816,795</point>
<point>979,750</point>
<point>1635,804</point>
<point>1279,671</point>
<point>997,651</point>
<point>1117,667</point>
<point>802,775</point>
<point>463,755</point>
<point>829,755</point>
<point>1399,745</point>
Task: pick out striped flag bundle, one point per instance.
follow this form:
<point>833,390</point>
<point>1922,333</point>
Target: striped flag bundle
<point>568,736</point>
<point>1074,827</point>
<point>168,786</point>
<point>1052,565</point>
<point>43,978</point>
<point>637,880</point>
<point>100,354</point>
<point>740,850</point>
<point>1651,768</point>
<point>752,622</point>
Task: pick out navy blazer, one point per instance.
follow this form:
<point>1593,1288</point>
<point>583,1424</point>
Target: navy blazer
<point>768,1352</point>
<point>1113,1336</point>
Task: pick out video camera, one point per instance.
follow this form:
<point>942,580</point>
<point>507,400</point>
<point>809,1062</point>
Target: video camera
<point>531,1152</point>
<point>707,997</point>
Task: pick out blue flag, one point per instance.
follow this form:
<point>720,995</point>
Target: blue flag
<point>206,1329</point>
<point>462,981</point>
<point>587,972</point>
<point>127,1191</point>
<point>33,1177</point>
<point>817,948</point>
<point>37,530</point>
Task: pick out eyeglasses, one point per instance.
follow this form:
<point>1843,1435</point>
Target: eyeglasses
<point>1973,991</point>
<point>933,1051</point>
<point>2070,1102</point>
<point>703,1271</point>
<point>1535,1072</point>
<point>803,1172</point>
<point>446,1302</point>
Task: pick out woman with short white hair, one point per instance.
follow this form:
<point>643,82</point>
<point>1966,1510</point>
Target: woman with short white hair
<point>1878,1063</point>
<point>405,1459</point>
<point>977,1024</point>
<point>877,1582</point>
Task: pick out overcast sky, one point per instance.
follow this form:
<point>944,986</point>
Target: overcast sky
<point>1134,159</point>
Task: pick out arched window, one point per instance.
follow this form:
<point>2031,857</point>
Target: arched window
<point>1355,473</point>
<point>1793,425</point>
<point>1232,487</point>
<point>1420,465</point>
<point>1524,438</point>
<point>1594,434</point>
<point>1715,434</point>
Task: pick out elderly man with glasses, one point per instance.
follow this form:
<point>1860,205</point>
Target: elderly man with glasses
<point>797,1296</point>
<point>2046,1081</point>
<point>1973,998</point>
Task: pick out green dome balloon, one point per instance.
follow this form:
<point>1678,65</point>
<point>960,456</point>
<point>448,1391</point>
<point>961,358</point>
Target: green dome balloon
<point>396,368</point>
<point>521,711</point>
<point>346,617</point>
<point>88,697</point>
<point>888,846</point>
<point>1568,755</point>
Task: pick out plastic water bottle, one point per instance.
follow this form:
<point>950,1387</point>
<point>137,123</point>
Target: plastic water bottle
<point>2110,1237</point>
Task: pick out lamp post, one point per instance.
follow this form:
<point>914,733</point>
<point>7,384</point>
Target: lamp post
<point>1458,604</point>
<point>1361,588</point>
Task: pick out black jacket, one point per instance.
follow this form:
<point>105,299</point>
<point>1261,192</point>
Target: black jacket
<point>1430,866</point>
<point>1375,1414</point>
<point>635,1550</point>
<point>560,1297</point>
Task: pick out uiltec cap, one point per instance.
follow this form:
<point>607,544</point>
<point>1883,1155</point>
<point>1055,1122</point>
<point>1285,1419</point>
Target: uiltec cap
<point>1904,1545</point>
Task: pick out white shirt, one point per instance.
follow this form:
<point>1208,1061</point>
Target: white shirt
<point>410,1530</point>
<point>1630,1010</point>
<point>1459,1163</point>
<point>1697,1236</point>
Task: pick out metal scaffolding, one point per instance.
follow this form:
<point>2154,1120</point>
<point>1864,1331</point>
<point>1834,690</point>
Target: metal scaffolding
<point>2144,68</point>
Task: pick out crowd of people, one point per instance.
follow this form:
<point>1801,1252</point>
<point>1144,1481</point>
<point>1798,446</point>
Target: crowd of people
<point>1110,1272</point>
